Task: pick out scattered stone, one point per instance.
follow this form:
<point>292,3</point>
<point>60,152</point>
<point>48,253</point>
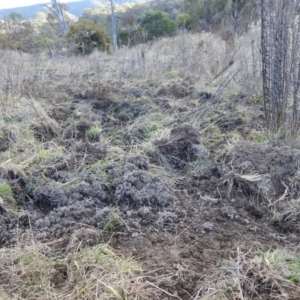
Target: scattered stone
<point>165,217</point>
<point>144,211</point>
<point>208,226</point>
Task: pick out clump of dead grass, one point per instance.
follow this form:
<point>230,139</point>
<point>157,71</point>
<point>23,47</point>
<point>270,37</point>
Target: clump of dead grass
<point>33,272</point>
<point>269,276</point>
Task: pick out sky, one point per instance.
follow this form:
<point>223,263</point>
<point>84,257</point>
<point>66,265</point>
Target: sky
<point>19,3</point>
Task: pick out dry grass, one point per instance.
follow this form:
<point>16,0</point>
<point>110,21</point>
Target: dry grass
<point>214,64</point>
<point>267,276</point>
<point>33,272</point>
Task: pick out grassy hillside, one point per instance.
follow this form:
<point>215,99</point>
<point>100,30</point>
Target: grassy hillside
<point>130,176</point>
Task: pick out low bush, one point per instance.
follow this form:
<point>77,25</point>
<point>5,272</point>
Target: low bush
<point>88,36</point>
<point>156,24</point>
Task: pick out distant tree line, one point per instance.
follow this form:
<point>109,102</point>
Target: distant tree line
<point>137,24</point>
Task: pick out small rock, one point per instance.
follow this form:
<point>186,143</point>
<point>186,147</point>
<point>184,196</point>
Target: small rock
<point>208,226</point>
<point>39,223</point>
<point>143,211</point>
<point>130,214</point>
<point>165,217</point>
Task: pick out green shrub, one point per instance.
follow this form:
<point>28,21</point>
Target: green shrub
<point>156,24</point>
<point>45,36</point>
<point>16,33</point>
<point>88,36</point>
<point>131,38</point>
<point>124,37</point>
<point>184,21</point>
<point>94,132</point>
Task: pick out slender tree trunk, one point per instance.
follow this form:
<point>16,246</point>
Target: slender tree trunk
<point>113,25</point>
<point>265,49</point>
<point>60,16</point>
<point>295,70</point>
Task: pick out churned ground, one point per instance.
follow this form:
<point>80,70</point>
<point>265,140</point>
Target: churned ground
<point>131,176</point>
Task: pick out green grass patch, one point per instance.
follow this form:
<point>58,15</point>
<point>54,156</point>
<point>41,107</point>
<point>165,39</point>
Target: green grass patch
<point>6,192</point>
<point>7,196</point>
<point>113,222</point>
<point>47,154</point>
<point>94,132</point>
<point>256,100</point>
<point>286,264</point>
<point>258,137</point>
<point>212,137</point>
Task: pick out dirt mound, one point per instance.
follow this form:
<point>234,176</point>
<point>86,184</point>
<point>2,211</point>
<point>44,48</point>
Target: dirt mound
<point>181,147</point>
<point>43,133</point>
<point>137,189</point>
<point>55,209</point>
<point>126,111</point>
<point>176,90</point>
<point>134,186</point>
<point>271,170</point>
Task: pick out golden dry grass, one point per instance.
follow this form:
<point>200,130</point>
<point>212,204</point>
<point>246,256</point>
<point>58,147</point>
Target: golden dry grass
<point>33,272</point>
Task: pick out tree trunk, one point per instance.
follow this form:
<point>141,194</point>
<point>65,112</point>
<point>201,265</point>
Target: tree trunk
<point>113,25</point>
<point>280,34</point>
<point>57,11</point>
<point>265,49</point>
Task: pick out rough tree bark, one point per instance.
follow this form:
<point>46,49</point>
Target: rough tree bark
<point>280,34</point>
<point>265,51</point>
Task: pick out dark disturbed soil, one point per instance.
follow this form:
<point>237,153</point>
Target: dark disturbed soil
<point>180,205</point>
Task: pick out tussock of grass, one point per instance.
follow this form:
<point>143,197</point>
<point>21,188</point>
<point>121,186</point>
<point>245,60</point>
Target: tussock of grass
<point>270,275</point>
<point>7,197</point>
<point>94,132</point>
<point>113,221</point>
<point>31,272</point>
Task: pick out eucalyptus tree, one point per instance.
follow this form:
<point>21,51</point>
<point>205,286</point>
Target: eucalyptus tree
<point>57,10</point>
